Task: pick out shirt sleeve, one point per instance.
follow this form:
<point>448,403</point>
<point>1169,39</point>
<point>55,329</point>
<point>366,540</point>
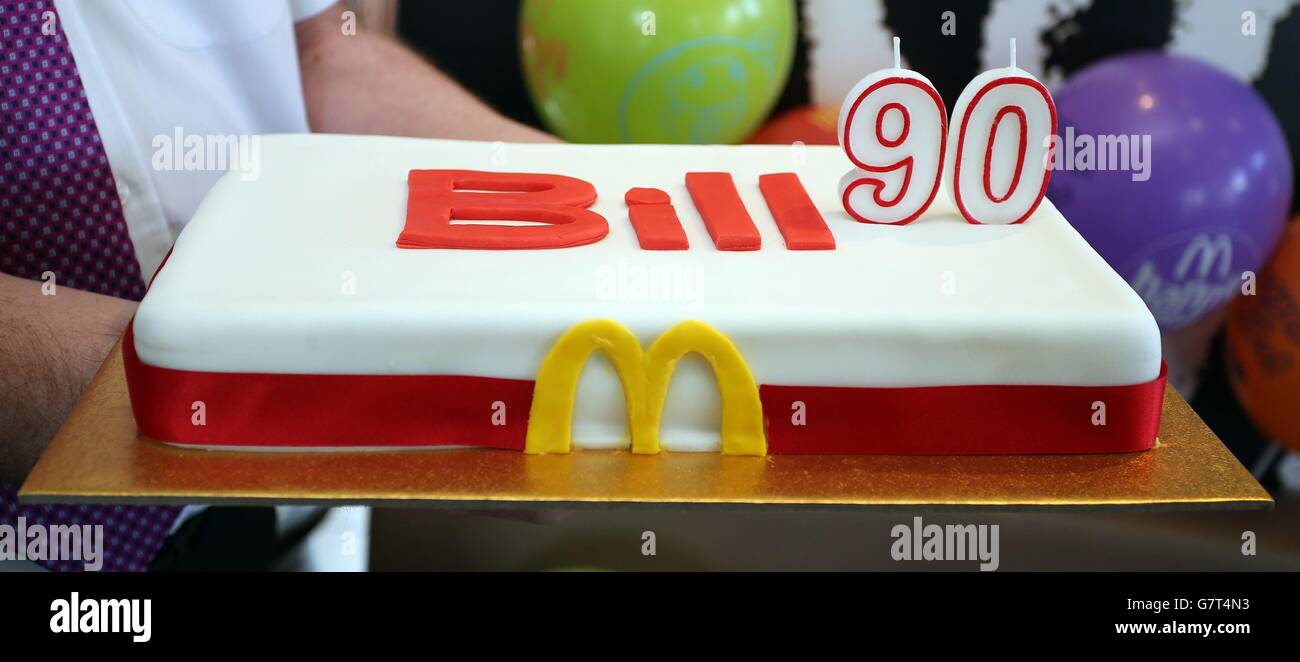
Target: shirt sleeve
<point>305,9</point>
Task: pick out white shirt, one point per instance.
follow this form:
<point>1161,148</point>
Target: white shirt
<point>204,68</point>
<point>156,70</point>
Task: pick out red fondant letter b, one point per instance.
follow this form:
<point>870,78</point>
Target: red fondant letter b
<point>556,205</point>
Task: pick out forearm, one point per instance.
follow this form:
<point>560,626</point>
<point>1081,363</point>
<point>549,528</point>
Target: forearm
<point>50,347</point>
<point>369,84</point>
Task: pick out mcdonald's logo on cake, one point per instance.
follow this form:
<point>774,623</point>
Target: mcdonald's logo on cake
<point>645,376</point>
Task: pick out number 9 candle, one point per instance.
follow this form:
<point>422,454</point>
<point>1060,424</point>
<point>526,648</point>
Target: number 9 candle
<point>892,127</point>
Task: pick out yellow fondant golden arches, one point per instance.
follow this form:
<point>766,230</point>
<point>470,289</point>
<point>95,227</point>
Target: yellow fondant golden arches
<point>742,411</point>
<point>550,423</point>
<point>645,378</point>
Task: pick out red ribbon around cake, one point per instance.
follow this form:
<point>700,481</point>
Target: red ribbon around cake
<point>308,410</point>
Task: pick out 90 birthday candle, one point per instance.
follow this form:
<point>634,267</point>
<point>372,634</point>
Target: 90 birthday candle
<point>994,155</point>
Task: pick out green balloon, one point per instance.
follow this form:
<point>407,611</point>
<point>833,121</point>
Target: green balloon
<point>656,71</point>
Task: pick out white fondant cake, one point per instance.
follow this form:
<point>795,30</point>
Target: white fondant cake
<point>297,272</point>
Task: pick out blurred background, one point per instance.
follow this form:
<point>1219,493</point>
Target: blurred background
<point>1204,235</point>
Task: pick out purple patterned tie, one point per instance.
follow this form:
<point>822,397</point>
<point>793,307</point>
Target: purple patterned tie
<point>59,212</point>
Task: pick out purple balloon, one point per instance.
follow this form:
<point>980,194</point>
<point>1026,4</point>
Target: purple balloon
<point>1186,185</point>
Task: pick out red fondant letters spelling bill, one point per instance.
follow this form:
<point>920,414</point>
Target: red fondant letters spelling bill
<point>655,220</point>
<point>557,205</point>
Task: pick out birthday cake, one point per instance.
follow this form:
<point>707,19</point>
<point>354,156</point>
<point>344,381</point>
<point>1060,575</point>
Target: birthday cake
<point>368,292</point>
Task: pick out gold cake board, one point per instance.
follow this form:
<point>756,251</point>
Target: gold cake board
<point>96,457</point>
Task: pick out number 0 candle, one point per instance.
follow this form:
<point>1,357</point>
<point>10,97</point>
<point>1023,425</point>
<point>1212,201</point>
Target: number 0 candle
<point>892,126</point>
<point>1000,139</point>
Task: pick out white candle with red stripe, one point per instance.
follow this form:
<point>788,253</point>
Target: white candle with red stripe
<point>892,127</point>
<point>999,144</point>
